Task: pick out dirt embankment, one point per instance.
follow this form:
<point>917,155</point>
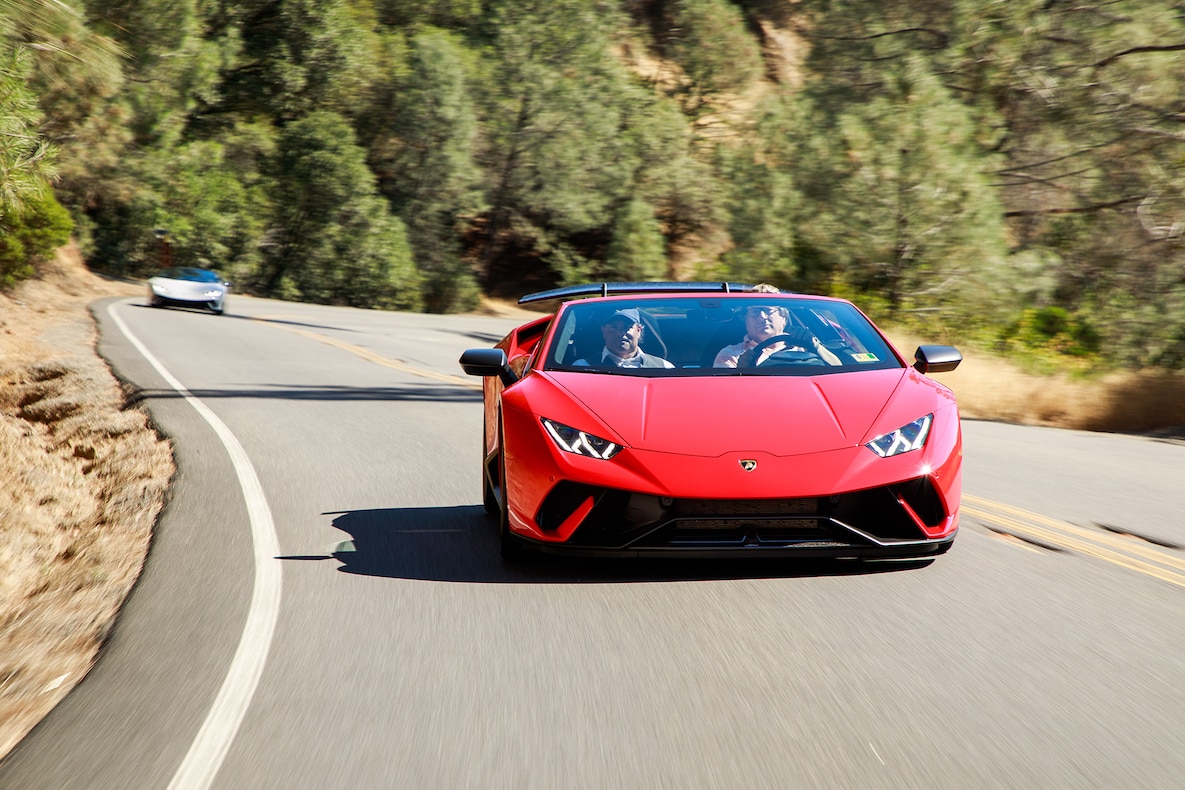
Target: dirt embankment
<point>82,478</point>
<point>83,475</point>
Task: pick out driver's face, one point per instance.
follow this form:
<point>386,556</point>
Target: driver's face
<point>763,323</point>
<point>621,337</point>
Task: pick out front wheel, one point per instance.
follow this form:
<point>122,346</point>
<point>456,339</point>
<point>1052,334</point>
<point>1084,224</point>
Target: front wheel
<point>489,498</point>
<point>511,547</point>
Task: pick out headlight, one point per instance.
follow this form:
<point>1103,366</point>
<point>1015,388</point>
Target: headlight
<point>571,440</point>
<point>904,439</point>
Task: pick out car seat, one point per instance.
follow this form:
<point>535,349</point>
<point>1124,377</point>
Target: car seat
<point>726,334</point>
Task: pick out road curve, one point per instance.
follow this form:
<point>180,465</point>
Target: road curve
<point>378,641</point>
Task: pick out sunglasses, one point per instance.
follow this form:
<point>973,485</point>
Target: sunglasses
<point>755,312</point>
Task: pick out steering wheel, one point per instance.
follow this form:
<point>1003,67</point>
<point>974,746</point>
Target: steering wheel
<point>750,357</point>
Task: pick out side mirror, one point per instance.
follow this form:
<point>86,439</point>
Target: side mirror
<point>936,359</point>
<point>488,362</point>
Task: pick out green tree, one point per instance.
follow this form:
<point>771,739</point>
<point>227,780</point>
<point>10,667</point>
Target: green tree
<point>431,177</point>
<point>1094,149</point>
<point>288,58</point>
<point>553,118</point>
<point>74,73</point>
<point>637,249</point>
<point>32,223</point>
<point>26,158</point>
<point>171,68</point>
<point>212,197</point>
<point>710,41</point>
<point>763,203</point>
<point>332,238</point>
<point>909,214</point>
<point>664,167</point>
<point>1078,106</point>
<point>451,14</point>
<point>31,236</point>
<point>213,211</point>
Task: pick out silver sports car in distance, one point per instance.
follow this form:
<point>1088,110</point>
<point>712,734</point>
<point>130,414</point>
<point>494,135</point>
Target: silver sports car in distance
<point>188,286</point>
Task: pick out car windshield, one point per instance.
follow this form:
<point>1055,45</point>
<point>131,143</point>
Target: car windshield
<point>760,334</point>
<point>192,274</point>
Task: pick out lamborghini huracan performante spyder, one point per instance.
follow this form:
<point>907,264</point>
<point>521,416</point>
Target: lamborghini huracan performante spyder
<point>703,419</point>
<point>188,286</point>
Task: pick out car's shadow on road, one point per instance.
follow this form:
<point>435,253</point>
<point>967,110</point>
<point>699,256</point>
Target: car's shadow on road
<point>459,544</point>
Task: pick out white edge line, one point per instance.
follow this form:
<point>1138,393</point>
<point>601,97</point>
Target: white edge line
<point>213,741</point>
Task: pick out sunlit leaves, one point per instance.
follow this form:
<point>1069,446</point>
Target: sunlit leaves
<point>26,159</point>
<point>637,249</point>
<point>332,238</point>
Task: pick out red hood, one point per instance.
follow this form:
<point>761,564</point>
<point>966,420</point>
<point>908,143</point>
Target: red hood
<point>781,415</point>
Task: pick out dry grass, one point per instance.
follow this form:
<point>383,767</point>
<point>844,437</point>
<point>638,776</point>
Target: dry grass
<point>83,477</point>
<point>990,388</point>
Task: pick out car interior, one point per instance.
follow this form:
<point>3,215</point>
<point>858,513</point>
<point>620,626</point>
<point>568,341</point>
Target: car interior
<point>689,334</point>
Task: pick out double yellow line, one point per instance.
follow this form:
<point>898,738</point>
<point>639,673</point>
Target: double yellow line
<point>1126,551</point>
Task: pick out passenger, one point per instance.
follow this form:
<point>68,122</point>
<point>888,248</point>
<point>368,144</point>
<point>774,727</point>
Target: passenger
<point>762,323</point>
<point>622,332</point>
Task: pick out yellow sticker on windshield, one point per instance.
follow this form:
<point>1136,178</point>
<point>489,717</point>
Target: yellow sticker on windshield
<point>865,357</point>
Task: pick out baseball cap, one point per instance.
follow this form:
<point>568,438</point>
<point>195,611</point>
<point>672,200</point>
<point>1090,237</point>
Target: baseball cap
<point>628,313</point>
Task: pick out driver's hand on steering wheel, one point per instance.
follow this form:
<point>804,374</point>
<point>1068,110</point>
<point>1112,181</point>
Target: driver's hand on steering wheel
<point>800,336</point>
<point>794,336</point>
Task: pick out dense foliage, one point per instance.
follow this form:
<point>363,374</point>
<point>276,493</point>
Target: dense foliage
<point>1007,172</point>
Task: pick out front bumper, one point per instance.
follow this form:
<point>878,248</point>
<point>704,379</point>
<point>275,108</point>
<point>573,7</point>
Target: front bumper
<point>187,297</point>
<point>894,521</point>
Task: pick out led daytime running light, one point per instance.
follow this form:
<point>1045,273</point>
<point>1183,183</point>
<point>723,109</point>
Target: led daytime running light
<point>905,439</point>
<point>571,440</point>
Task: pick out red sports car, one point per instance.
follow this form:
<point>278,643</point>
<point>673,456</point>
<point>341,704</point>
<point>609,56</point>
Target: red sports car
<point>703,419</point>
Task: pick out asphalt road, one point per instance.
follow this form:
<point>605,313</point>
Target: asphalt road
<point>324,605</point>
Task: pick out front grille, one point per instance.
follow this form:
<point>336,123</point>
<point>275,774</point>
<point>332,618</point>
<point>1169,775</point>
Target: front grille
<point>746,532</point>
<point>744,529</point>
<point>734,508</point>
<point>773,524</point>
<point>620,519</point>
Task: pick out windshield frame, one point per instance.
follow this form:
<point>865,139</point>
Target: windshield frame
<point>690,329</point>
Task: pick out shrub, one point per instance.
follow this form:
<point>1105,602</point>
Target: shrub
<point>31,236</point>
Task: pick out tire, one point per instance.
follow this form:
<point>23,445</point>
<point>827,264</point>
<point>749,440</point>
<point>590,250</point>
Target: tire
<point>511,547</point>
<point>489,497</point>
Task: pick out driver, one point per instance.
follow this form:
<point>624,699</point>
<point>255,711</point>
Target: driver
<point>763,322</point>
